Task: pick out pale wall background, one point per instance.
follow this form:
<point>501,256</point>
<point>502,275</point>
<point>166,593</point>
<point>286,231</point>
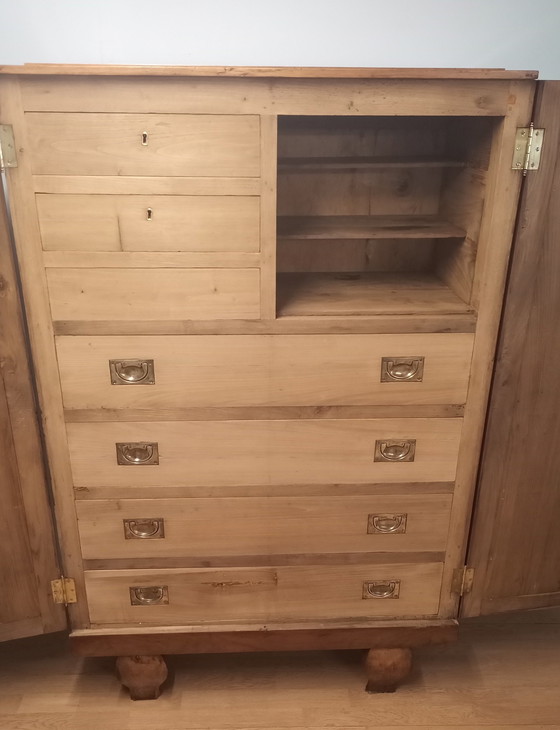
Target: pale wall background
<point>457,33</point>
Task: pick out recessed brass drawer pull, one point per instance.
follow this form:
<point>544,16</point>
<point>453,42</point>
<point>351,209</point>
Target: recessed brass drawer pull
<point>395,450</point>
<point>149,595</point>
<point>132,372</point>
<point>387,524</point>
<point>402,369</point>
<point>137,454</point>
<point>381,589</point>
<point>149,528</point>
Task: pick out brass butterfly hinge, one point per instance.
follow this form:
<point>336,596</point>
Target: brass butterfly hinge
<point>527,148</point>
<point>64,590</point>
<point>8,157</point>
<point>462,580</point>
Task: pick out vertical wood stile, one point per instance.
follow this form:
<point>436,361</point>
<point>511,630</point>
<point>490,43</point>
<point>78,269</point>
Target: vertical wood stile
<point>268,216</point>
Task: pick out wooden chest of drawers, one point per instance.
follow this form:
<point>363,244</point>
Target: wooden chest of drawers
<point>263,313</point>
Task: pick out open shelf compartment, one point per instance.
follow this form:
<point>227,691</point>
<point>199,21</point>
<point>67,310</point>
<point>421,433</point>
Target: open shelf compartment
<point>379,215</point>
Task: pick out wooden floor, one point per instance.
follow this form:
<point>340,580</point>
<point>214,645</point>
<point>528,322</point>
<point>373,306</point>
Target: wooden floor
<point>501,674</point>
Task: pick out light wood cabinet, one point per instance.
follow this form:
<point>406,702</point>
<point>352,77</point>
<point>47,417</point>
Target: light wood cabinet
<point>263,306</point>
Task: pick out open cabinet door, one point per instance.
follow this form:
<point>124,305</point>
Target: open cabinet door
<point>515,540</point>
<point>28,559</point>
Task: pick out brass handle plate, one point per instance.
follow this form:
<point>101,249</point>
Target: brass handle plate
<point>402,369</point>
<point>395,450</point>
<point>381,589</point>
<point>137,453</point>
<point>387,524</point>
<point>149,595</point>
<point>144,528</point>
<point>132,372</point>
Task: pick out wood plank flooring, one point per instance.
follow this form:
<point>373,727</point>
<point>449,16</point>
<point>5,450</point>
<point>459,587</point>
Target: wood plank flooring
<point>503,673</point>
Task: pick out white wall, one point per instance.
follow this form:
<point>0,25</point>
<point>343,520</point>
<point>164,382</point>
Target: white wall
<point>457,33</point>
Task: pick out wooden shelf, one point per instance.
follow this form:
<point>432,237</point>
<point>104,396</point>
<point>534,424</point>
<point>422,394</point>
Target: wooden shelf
<point>364,226</point>
<point>360,294</point>
<point>297,164</point>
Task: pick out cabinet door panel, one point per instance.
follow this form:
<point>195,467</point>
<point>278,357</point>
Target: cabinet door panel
<point>515,543</point>
<point>27,552</point>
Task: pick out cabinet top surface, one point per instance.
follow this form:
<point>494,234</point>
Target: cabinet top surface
<point>42,69</point>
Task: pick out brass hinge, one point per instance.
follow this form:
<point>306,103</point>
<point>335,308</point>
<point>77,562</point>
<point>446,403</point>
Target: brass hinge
<point>462,580</point>
<point>528,148</point>
<point>64,590</point>
<point>8,157</point>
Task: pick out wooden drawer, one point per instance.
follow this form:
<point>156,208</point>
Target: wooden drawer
<point>257,526</point>
<point>149,222</point>
<point>263,594</point>
<point>263,370</point>
<point>153,294</point>
<point>230,453</point>
<point>113,144</point>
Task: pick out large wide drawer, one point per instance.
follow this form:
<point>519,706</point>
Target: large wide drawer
<point>144,144</point>
<point>234,453</point>
<point>262,370</point>
<point>149,222</point>
<point>187,596</point>
<point>153,294</point>
<point>147,528</point>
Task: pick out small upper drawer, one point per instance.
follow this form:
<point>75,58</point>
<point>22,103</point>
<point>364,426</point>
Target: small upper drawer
<point>268,370</point>
<point>183,596</point>
<point>149,222</point>
<point>203,527</point>
<point>145,144</point>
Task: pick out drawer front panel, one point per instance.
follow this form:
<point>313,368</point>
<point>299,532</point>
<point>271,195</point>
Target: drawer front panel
<point>234,453</point>
<point>257,526</point>
<point>145,144</point>
<point>153,294</point>
<point>185,596</point>
<point>265,370</point>
<point>149,222</point>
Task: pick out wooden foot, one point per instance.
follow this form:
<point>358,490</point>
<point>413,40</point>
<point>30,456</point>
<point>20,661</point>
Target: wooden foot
<point>143,675</point>
<point>386,669</point>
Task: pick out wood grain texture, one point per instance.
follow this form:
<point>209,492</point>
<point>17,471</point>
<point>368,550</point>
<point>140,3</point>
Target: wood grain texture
<point>28,250</point>
<point>28,560</point>
<point>262,594</point>
<point>349,97</point>
<point>149,223</point>
<point>497,677</point>
<point>234,453</point>
<point>518,490</point>
<point>376,324</point>
<point>494,242</point>
<point>354,294</point>
<point>273,637</point>
<point>268,526</point>
<point>185,145</point>
<point>259,413</point>
<point>266,71</point>
<point>223,371</point>
<point>153,294</point>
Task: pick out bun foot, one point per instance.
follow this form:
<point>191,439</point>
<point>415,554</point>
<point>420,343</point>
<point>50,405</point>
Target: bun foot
<point>387,668</point>
<point>142,675</point>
